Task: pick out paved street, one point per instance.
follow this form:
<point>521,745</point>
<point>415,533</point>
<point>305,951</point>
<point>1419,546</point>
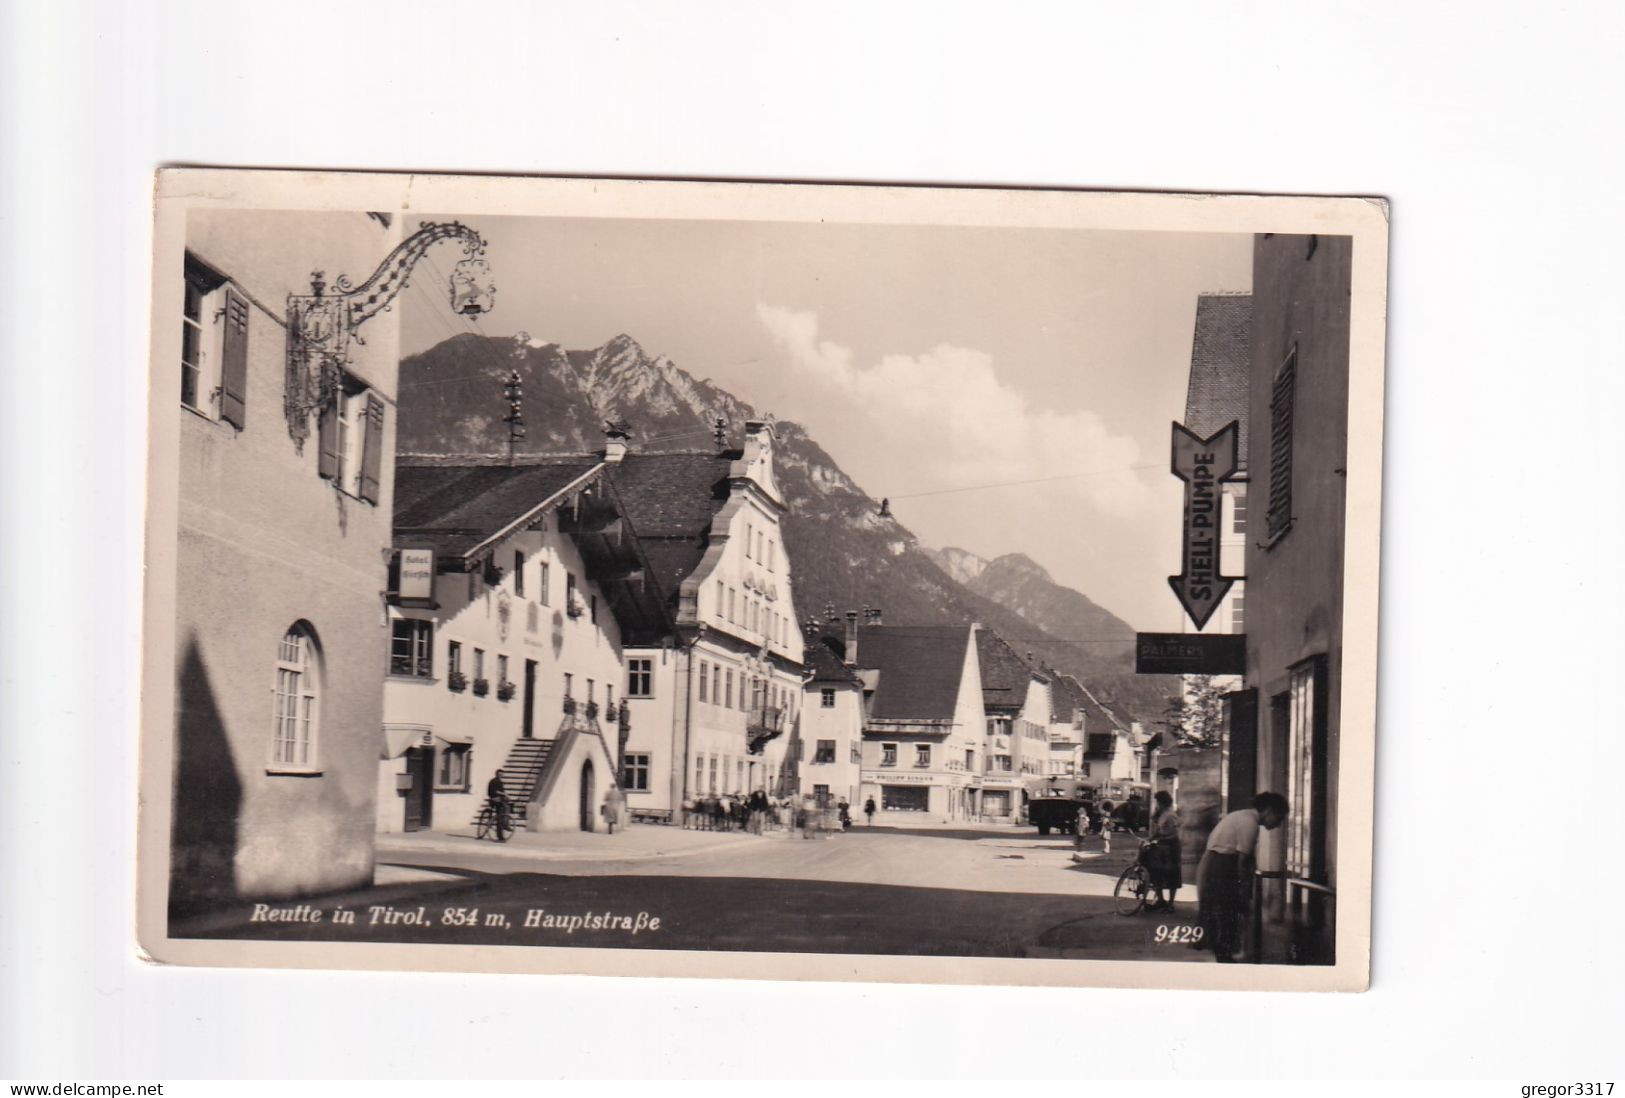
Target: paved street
<point>973,891</point>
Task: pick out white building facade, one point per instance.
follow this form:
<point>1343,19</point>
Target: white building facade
<point>711,703</point>
<point>507,654</point>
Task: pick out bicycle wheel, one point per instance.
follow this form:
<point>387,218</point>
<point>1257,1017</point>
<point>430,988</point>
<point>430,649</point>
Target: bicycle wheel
<point>1129,896</point>
<point>503,828</point>
<point>486,823</point>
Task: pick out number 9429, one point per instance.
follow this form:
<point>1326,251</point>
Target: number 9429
<point>1178,934</point>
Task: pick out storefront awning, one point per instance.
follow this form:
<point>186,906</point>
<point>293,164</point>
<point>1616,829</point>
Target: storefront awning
<point>398,741</point>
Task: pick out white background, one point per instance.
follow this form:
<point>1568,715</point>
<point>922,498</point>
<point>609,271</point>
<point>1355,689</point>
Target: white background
<point>1495,131</point>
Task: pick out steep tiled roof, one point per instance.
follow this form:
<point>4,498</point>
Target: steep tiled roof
<point>826,665</point>
<point>669,495</point>
<point>1005,675</point>
<point>1066,695</point>
<point>1221,361</point>
<point>919,669</point>
<point>671,500</point>
<point>453,508</point>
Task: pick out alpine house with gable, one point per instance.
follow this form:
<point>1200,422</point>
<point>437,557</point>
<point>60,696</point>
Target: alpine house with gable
<point>924,729</point>
<point>710,702</point>
<point>514,590</point>
<point>1015,697</point>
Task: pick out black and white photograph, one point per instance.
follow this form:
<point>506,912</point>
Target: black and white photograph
<point>710,578</point>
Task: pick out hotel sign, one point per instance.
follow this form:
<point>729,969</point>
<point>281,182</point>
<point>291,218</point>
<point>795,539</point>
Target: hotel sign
<point>417,576</point>
<point>1203,464</point>
<point>1190,654</point>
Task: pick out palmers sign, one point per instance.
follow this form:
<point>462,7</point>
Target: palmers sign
<point>1203,464</point>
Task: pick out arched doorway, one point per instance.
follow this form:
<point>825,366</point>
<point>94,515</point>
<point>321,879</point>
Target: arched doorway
<point>586,796</point>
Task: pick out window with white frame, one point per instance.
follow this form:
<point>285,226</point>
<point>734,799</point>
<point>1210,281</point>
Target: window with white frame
<point>826,752</point>
<point>214,345</point>
<point>640,677</point>
<point>452,774</point>
<point>519,573</point>
<point>635,772</point>
<point>922,754</point>
<point>411,648</point>
<point>826,697</point>
<point>705,675</point>
<point>543,579</point>
<point>296,711</point>
<point>888,754</point>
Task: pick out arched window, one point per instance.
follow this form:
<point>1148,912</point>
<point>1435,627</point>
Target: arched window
<point>296,708</point>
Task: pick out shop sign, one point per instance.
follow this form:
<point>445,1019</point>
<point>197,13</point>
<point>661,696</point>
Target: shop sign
<point>1203,464</point>
<point>417,575</point>
<point>885,777</point>
<point>1190,654</point>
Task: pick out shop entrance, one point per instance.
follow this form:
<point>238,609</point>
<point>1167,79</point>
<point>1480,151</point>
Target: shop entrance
<point>420,795</point>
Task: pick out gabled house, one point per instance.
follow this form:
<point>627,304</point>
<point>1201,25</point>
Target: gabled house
<point>712,697</point>
<point>924,728</point>
<point>825,750</point>
<point>1016,704</point>
<point>513,591</point>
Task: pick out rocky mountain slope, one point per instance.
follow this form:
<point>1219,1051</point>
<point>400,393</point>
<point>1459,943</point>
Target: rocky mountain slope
<point>845,554</point>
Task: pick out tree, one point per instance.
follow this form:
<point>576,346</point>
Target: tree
<point>1196,715</point>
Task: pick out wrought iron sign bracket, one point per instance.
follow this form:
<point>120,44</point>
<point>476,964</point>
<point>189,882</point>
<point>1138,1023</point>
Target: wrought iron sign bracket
<point>321,325</point>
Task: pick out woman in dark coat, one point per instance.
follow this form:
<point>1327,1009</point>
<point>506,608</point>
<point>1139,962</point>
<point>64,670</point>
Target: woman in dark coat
<point>1165,857</point>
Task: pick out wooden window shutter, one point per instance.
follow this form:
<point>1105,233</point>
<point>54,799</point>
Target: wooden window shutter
<point>327,441</point>
<point>1279,517</point>
<point>234,361</point>
<point>372,451</point>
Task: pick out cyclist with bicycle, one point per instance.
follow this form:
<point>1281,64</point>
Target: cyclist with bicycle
<point>1162,854</point>
<point>496,795</point>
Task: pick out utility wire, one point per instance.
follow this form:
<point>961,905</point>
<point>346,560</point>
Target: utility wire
<point>1038,480</point>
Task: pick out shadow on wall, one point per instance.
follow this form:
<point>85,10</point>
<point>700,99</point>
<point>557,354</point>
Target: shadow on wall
<point>208,795</point>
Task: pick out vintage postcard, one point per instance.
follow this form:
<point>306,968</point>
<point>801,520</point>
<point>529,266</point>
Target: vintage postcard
<point>762,580</point>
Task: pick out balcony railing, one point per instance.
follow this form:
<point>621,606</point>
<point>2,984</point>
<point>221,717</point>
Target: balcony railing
<point>762,724</point>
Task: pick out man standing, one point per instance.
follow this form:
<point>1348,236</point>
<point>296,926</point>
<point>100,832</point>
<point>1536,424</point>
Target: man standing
<point>1225,877</point>
<point>496,795</point>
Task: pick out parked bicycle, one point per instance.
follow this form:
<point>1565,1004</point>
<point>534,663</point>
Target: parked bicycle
<point>495,823</point>
<point>1136,889</point>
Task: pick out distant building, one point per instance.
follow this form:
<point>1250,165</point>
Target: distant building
<point>1068,726</point>
<point>924,729</point>
<point>711,701</point>
<point>826,746</point>
<point>512,591</point>
<point>283,527</point>
<point>1016,704</point>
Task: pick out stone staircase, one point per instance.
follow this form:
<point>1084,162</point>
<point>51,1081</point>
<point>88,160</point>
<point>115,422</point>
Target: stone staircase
<point>521,773</point>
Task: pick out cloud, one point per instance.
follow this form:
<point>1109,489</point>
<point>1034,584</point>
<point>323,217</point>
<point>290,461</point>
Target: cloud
<point>946,419</point>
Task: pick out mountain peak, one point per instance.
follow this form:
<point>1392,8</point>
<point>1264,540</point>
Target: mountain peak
<point>961,564</point>
<point>621,343</point>
<point>1019,564</point>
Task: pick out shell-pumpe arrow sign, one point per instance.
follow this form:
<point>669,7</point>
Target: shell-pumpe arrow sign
<point>1203,464</point>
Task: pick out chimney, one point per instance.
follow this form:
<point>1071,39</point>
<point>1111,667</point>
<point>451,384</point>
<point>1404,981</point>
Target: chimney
<point>617,435</point>
<point>851,638</point>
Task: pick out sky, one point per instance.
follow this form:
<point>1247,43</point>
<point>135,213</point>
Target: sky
<point>1009,390</point>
